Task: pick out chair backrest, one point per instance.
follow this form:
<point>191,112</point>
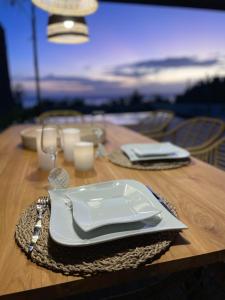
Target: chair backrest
<point>60,117</point>
<point>214,154</point>
<point>197,132</point>
<point>219,154</point>
<point>156,121</point>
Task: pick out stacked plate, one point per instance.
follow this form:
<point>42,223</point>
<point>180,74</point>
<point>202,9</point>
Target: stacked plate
<point>154,151</point>
<point>107,211</point>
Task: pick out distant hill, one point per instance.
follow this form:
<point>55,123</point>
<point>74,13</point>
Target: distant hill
<point>207,91</point>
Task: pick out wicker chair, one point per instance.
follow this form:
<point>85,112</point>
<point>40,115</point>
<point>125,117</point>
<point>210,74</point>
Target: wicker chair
<point>194,134</point>
<point>156,122</point>
<point>60,116</point>
<point>214,154</point>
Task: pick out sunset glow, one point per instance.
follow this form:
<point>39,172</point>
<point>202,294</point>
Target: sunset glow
<point>149,48</point>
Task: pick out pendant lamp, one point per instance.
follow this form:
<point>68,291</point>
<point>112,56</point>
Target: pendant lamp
<point>67,29</point>
<point>68,7</point>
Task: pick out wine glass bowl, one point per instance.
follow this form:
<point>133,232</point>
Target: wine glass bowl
<point>49,141</point>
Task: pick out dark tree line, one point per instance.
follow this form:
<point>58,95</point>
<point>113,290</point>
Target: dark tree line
<point>207,91</point>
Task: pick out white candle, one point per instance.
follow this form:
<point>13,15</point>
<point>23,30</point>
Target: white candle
<point>84,156</point>
<point>45,161</point>
<point>70,137</point>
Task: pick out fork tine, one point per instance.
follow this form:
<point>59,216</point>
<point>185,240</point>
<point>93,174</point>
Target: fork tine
<point>44,200</point>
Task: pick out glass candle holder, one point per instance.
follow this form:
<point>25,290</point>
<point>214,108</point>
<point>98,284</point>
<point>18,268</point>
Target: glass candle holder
<point>84,156</point>
<point>70,136</point>
<point>58,178</point>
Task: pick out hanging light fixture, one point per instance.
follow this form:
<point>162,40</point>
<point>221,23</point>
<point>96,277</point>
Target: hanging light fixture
<point>67,29</point>
<point>68,7</point>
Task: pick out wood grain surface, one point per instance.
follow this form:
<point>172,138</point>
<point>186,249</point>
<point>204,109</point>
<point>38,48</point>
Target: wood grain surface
<point>197,191</point>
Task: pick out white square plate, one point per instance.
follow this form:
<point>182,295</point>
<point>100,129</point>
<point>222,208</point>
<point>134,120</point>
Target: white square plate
<point>65,231</point>
<point>154,149</point>
<point>173,151</point>
<point>110,203</point>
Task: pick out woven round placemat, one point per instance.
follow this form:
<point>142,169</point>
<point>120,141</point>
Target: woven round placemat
<point>127,253</point>
<point>119,158</point>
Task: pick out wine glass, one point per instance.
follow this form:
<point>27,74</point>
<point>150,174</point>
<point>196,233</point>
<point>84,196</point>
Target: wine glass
<point>100,151</point>
<point>98,116</point>
<point>49,141</point>
<point>58,177</point>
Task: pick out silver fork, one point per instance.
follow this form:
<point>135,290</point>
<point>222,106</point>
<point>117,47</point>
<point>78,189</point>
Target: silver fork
<point>41,206</point>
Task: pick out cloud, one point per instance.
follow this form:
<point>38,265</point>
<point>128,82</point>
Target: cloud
<point>154,66</point>
<point>123,79</point>
<point>75,79</point>
<point>72,86</point>
<point>58,87</point>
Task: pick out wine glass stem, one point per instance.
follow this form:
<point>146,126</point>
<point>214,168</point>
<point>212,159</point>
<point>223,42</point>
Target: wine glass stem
<point>53,156</point>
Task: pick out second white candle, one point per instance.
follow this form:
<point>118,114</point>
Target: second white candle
<point>84,156</point>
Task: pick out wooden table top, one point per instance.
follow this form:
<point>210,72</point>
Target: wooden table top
<point>197,191</point>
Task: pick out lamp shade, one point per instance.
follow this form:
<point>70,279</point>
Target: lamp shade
<point>67,29</point>
<point>68,7</point>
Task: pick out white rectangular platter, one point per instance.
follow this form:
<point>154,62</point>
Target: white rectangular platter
<point>65,231</point>
<point>175,152</point>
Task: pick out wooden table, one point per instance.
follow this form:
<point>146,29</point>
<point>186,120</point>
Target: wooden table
<point>197,191</point>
